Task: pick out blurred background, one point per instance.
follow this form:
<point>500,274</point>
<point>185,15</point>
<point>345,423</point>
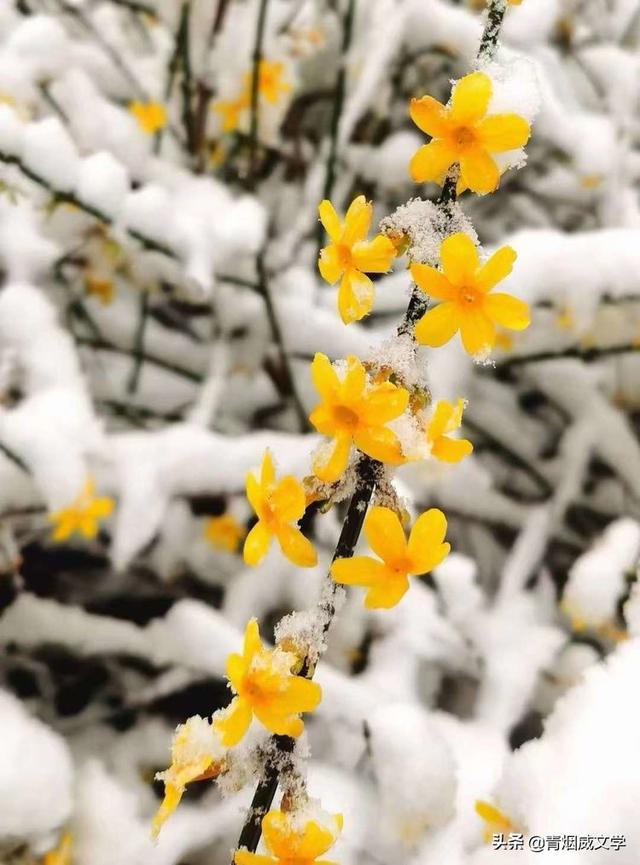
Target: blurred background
<point>159,309</point>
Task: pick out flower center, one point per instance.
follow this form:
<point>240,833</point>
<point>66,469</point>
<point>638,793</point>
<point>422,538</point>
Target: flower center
<point>464,137</point>
<point>344,256</point>
<point>345,417</point>
<point>467,295</point>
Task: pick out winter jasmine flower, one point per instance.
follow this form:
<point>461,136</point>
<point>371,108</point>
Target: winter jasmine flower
<point>99,288</point>
<point>151,116</point>
<point>224,532</point>
<point>353,411</point>
<point>495,822</point>
<point>196,751</point>
<point>277,506</point>
<point>265,688</point>
<point>349,257</point>
<point>292,841</point>
<point>463,286</point>
<point>462,134</point>
<point>445,419</point>
<point>82,515</point>
<point>60,855</point>
<point>388,580</point>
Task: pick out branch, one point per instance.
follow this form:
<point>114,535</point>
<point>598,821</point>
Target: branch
<point>70,198</point>
<point>255,91</point>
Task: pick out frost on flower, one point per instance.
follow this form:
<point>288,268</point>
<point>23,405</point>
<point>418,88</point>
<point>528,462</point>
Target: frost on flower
<point>196,752</point>
<point>264,688</point>
<point>294,839</point>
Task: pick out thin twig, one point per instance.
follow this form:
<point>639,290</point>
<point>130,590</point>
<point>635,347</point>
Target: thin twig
<point>64,197</point>
<point>255,91</point>
<point>338,104</point>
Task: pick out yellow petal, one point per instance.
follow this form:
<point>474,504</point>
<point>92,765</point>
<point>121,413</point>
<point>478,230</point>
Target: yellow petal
<point>244,857</point>
<point>315,841</point>
<point>385,534</point>
<point>496,268</point>
<point>299,695</point>
<point>507,311</point>
<point>355,380</point>
<point>432,161</point>
<point>323,420</point>
<point>451,450</point>
<point>432,282</point>
<point>100,508</point>
<point>252,643</point>
<point>502,132</point>
<point>330,220</point>
<point>324,377</point>
<point>234,722</point>
<point>477,332</point>
<point>479,171</point>
<point>330,469</point>
<point>256,544</point>
<point>380,443</point>
<point>288,500</point>
<point>439,419</point>
<point>172,797</point>
<point>356,221</point>
<point>235,669</point>
<point>426,540</point>
<point>470,98</point>
<point>276,722</point>
<point>374,256</point>
<point>384,402</point>
<point>355,296</point>
<point>387,595</point>
<point>329,264</point>
<point>429,115</point>
<point>254,492</point>
<point>358,571</point>
<point>438,325</point>
<point>296,547</point>
<point>459,259</point>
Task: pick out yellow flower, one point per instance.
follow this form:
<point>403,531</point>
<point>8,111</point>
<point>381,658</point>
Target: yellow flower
<point>230,111</point>
<point>82,515</point>
<point>270,81</point>
<point>196,751</point>
<point>496,823</point>
<point>224,532</point>
<point>60,855</point>
<point>100,288</point>
<point>445,419</point>
<point>265,687</point>
<point>388,580</point>
<point>277,505</point>
<point>349,256</point>
<point>291,840</point>
<point>151,116</point>
<point>462,134</point>
<point>354,412</point>
<point>464,287</point>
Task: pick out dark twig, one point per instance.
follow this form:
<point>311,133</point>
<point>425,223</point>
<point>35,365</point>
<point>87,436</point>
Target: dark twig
<point>254,121</point>
<point>338,104</point>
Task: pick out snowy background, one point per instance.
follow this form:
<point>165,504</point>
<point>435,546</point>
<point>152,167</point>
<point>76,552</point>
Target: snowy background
<point>160,305</point>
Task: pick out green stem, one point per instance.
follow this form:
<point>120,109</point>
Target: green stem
<point>255,92</point>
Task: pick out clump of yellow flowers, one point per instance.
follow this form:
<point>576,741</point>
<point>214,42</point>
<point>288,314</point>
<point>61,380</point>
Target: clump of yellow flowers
<point>374,415</point>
